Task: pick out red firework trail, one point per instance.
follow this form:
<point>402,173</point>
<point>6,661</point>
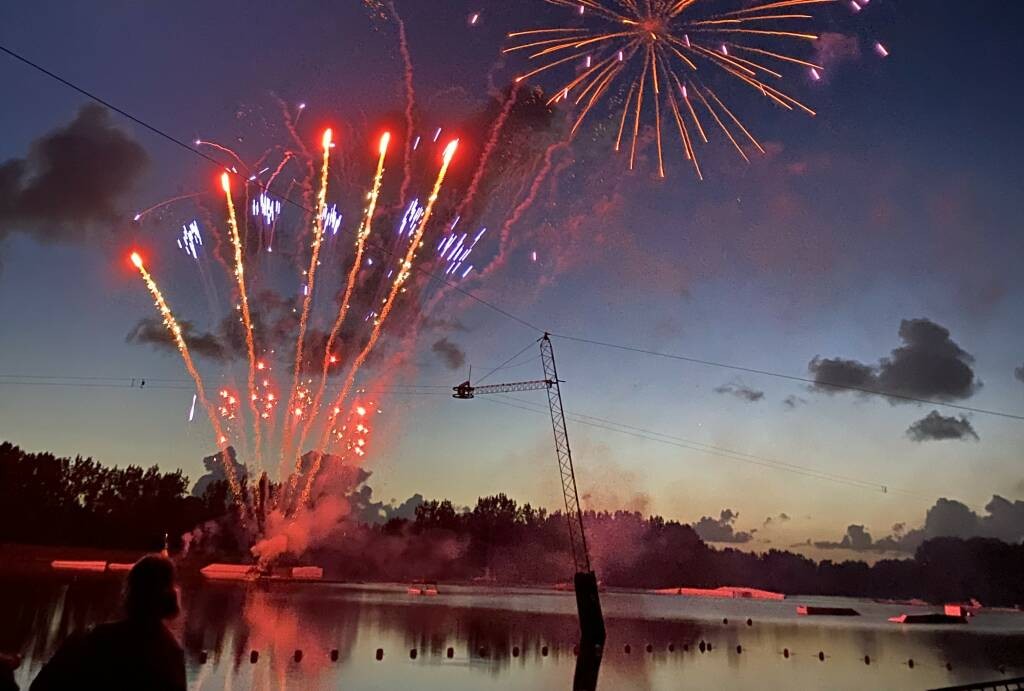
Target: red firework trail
<point>175,330</point>
<point>307,301</point>
<point>410,103</point>
<point>485,155</point>
<point>145,212</point>
<point>524,206</point>
<point>361,236</point>
<point>404,271</point>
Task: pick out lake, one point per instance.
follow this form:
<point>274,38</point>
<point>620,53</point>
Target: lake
<point>517,638</point>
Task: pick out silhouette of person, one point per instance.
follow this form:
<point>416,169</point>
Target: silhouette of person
<point>8,663</point>
<point>137,652</point>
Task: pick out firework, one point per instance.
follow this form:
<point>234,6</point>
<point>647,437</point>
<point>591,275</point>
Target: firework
<point>243,297</point>
<point>175,330</point>
<point>361,236</point>
<point>404,271</point>
<point>267,208</point>
<point>314,261</point>
<point>657,52</point>
<point>191,240</point>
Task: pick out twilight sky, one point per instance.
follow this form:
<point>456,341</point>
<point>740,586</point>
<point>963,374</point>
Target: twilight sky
<point>900,201</point>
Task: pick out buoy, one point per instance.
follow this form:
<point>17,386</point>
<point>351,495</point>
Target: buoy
<point>450,653</point>
<point>482,651</point>
<point>739,650</point>
<point>703,646</point>
<point>254,656</point>
<point>821,655</point>
<point>380,654</point>
<point>949,666</point>
<point>334,655</point>
<point>1002,669</point>
<point>725,620</point>
<point>686,647</point>
<point>626,649</point>
<point>867,659</point>
<point>650,648</point>
<point>785,653</point>
<point>297,656</point>
<point>709,647</point>
<point>412,653</point>
<point>544,651</point>
<point>750,622</point>
<point>515,651</point>
<point>671,647</point>
<point>203,656</point>
<point>910,663</point>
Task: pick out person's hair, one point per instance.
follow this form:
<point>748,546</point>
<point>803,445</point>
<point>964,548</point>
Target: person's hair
<point>149,592</point>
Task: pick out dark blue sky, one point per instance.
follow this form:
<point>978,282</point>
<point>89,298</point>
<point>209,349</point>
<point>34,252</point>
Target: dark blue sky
<point>900,200</point>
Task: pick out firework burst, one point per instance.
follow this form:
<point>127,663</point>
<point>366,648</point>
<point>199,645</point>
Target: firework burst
<point>658,54</point>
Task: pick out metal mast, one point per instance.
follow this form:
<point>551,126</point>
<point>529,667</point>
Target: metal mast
<point>588,601</point>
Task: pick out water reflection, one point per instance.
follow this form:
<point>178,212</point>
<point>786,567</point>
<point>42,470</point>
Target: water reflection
<point>512,639</point>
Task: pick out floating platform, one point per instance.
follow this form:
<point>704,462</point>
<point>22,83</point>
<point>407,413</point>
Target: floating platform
<point>931,618</point>
<point>816,611</point>
<point>230,572</point>
<point>78,565</point>
<point>724,592</point>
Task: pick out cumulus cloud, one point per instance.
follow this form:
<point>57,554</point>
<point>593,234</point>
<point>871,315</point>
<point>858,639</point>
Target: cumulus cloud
<point>741,391</point>
<point>1003,519</point>
<point>72,180</point>
<point>928,365</point>
<point>721,529</point>
<point>450,353</point>
<point>936,427</point>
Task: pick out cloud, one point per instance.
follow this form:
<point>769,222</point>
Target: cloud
<point>928,365</point>
<point>792,402</point>
<point>721,529</point>
<point>741,391</point>
<point>72,180</point>
<point>936,427</point>
<point>1019,373</point>
<point>451,354</point>
<point>150,330</point>
<point>1003,519</point>
<point>781,518</point>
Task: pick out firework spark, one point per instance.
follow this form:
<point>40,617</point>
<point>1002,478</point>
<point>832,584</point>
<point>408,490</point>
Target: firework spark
<point>175,330</point>
<point>655,52</point>
<point>191,240</point>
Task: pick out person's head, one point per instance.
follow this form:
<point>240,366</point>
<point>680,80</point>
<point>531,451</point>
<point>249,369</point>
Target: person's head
<point>150,591</point>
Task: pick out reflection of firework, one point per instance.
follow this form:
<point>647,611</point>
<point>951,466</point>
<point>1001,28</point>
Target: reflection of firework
<point>658,51</point>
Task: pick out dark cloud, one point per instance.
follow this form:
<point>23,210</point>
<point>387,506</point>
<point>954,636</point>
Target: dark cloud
<point>791,402</point>
<point>451,354</point>
<point>152,331</point>
<point>1019,373</point>
<point>721,529</point>
<point>72,180</point>
<point>1003,519</point>
<point>741,391</point>
<point>928,365</point>
<point>936,427</point>
<point>781,518</point>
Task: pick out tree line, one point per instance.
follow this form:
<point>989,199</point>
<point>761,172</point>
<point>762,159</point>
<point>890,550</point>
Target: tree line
<point>45,499</point>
